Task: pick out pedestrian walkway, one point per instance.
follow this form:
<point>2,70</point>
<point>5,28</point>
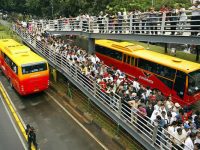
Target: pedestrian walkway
<point>170,30</point>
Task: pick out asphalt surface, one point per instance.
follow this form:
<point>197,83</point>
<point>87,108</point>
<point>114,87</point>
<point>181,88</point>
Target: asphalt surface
<point>9,140</point>
<point>55,129</point>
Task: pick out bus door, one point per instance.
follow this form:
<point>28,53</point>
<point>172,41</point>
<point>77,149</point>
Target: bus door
<point>180,83</point>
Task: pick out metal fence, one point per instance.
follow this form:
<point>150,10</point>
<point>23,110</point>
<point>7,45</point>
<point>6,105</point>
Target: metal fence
<point>151,133</point>
<point>161,24</point>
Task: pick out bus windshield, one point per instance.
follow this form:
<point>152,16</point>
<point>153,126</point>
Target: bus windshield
<point>36,67</point>
<point>194,82</point>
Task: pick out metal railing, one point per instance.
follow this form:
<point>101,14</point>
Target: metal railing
<point>161,24</point>
<point>151,133</point>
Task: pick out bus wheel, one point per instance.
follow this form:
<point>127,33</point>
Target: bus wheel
<point>10,82</point>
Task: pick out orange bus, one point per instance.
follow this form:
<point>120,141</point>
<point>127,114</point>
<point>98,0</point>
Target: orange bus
<point>172,76</point>
<point>26,71</point>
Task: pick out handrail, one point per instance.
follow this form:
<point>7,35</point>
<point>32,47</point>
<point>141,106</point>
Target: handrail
<point>151,133</point>
<point>160,24</point>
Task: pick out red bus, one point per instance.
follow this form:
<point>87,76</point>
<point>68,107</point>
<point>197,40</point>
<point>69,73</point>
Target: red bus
<point>172,76</point>
<point>27,72</point>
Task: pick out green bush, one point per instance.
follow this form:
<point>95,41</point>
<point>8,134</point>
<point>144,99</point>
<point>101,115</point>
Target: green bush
<point>2,28</point>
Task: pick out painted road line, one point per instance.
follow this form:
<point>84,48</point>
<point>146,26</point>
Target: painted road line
<point>13,123</point>
<point>80,124</point>
<point>13,110</point>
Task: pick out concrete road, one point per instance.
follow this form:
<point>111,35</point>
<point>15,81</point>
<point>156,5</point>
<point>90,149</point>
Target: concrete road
<point>9,139</point>
<point>55,129</point>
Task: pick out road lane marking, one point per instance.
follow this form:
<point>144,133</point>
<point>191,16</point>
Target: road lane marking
<point>14,112</point>
<point>80,124</point>
<point>14,125</point>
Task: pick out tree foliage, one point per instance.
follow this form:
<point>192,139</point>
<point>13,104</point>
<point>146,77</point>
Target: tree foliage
<point>55,8</point>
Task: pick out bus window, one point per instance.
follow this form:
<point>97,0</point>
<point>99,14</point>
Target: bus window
<point>157,69</point>
<point>179,85</point>
<point>132,61</point>
<point>194,82</point>
<point>31,68</point>
<point>109,52</point>
<point>128,59</point>
<point>14,67</point>
<point>124,58</point>
<point>166,81</point>
<point>7,60</point>
<point>11,64</point>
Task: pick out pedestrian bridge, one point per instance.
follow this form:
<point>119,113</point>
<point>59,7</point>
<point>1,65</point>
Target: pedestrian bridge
<point>149,134</point>
<point>162,29</point>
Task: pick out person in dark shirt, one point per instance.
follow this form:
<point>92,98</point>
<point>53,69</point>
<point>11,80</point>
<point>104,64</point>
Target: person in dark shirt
<point>149,110</point>
<point>30,132</point>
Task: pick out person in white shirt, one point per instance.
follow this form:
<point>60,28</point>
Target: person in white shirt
<point>172,129</point>
<point>170,119</point>
<point>136,84</point>
<point>197,140</point>
<point>195,18</point>
<point>182,19</point>
<point>154,115</point>
<point>189,145</point>
<point>158,106</point>
<point>179,139</point>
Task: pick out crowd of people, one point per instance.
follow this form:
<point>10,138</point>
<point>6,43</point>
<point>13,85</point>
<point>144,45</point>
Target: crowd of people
<point>176,19</point>
<point>141,104</point>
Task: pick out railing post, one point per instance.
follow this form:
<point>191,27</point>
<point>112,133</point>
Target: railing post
<point>107,24</point>
<point>81,24</point>
<point>95,87</point>
<point>89,26</point>
<point>155,131</point>
<point>131,23</point>
<point>76,72</point>
<point>163,22</point>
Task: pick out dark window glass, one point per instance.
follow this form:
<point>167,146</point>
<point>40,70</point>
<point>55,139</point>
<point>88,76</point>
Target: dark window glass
<point>157,68</point>
<point>166,82</point>
<point>194,82</point>
<point>109,52</point>
<point>132,61</point>
<point>11,64</point>
<point>179,85</point>
<point>31,68</point>
<point>128,59</point>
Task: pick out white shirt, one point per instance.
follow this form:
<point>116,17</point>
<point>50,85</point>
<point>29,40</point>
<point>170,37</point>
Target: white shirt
<point>136,85</point>
<point>172,130</point>
<point>188,144</point>
<point>194,11</point>
<point>179,139</point>
<point>170,120</point>
<point>197,140</point>
<point>156,107</point>
<point>153,115</point>
<point>183,16</point>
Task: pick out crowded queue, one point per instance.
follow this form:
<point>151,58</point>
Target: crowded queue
<point>150,104</point>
